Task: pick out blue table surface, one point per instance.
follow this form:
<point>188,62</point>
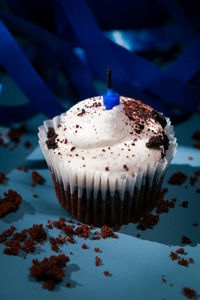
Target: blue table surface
<point>136,264</point>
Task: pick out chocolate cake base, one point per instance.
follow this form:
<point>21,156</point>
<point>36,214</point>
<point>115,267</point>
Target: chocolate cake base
<point>111,211</point>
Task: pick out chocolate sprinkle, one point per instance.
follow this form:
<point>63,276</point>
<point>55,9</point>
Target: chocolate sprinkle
<point>125,167</point>
<point>81,113</point>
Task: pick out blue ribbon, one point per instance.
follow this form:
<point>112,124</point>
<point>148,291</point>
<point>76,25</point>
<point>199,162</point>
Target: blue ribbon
<point>132,75</point>
<point>188,64</point>
<point>158,81</point>
<point>96,48</point>
<point>63,51</point>
<point>18,66</point>
<point>146,39</point>
<point>181,20</point>
<point>139,70</point>
<point>18,113</point>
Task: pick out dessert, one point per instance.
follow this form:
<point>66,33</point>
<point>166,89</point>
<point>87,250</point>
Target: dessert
<point>107,166</point>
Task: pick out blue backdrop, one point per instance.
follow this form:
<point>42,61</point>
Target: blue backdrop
<point>80,38</point>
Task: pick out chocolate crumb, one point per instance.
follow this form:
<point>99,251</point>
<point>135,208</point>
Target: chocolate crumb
<point>148,221</point>
<point>191,260</point>
<point>185,240</point>
<point>2,177</point>
<point>106,273</point>
<point>28,145</point>
<point>180,251</point>
<point>184,204</point>
<point>193,180</point>
<point>36,178</point>
<point>177,178</point>
<point>164,205</point>
<point>84,246</point>
<point>183,262</point>
<point>106,231</point>
<point>14,134</point>
<point>10,202</point>
<point>173,255</point>
<point>189,293</point>
<point>25,240</point>
<point>97,261</point>
<point>55,241</point>
<point>5,234</point>
<point>50,270</point>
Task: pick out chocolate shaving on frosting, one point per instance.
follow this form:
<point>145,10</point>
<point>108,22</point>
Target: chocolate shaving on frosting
<point>159,118</point>
<point>138,110</point>
<point>157,141</point>
<point>51,135</point>
<point>140,113</point>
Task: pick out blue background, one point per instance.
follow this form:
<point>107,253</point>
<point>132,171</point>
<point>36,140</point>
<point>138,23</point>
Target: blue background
<point>136,264</point>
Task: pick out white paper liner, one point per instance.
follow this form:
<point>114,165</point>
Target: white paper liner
<point>93,180</point>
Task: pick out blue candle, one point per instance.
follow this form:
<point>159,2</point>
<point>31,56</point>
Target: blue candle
<point>110,99</point>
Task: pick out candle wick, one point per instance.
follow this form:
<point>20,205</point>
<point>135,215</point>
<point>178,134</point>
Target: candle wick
<point>108,77</point>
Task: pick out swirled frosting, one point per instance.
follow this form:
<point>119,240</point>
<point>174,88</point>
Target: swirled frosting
<point>124,139</point>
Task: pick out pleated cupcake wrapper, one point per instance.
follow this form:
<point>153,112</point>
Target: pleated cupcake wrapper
<point>93,181</point>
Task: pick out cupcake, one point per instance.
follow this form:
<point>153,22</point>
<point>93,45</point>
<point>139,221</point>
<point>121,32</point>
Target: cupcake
<point>108,166</point>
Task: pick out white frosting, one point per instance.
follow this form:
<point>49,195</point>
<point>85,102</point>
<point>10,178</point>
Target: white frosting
<point>103,139</point>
